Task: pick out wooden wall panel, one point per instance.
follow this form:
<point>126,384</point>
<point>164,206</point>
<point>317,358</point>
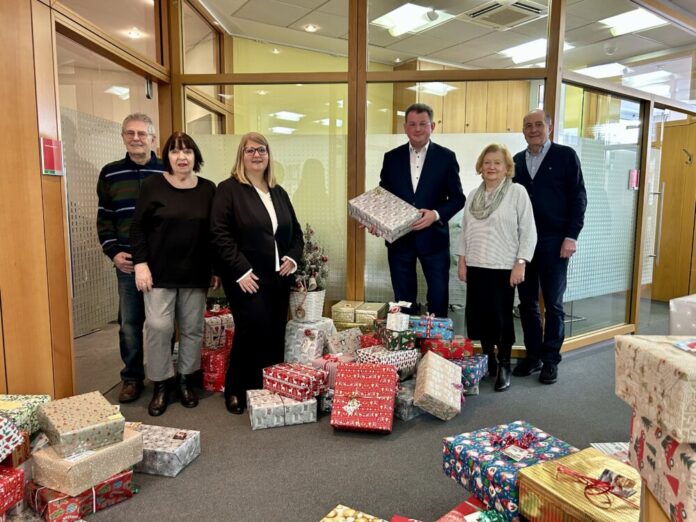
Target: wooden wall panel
<point>23,281</point>
<point>3,374</point>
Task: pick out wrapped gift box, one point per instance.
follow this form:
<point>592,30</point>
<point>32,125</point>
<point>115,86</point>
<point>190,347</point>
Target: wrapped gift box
<point>682,315</point>
<point>79,473</point>
<point>428,327</point>
<point>21,506</point>
<point>299,412</point>
<point>270,410</point>
<point>474,368</point>
<point>399,518</point>
<point>397,322</point>
<point>366,313</point>
<point>364,397</point>
<point>659,381</point>
<point>10,438</point>
<point>404,408</point>
<point>391,216</point>
<point>346,342</point>
<point>404,361</point>
<point>296,381</point>
<point>344,311</point>
<point>54,506</point>
<point>462,512</point>
<point>330,363</point>
<point>368,340</point>
<point>303,345</point>
<point>215,361</point>
<point>472,390</point>
<point>23,410</point>
<point>438,387</point>
<point>363,327</point>
<point>547,494</point>
<point>214,326</point>
<point>456,348</point>
<point>393,340</point>
<point>166,451</point>
<point>667,467</point>
<point>214,382</point>
<point>20,453</point>
<point>326,401</point>
<point>79,423</point>
<point>11,487</point>
<point>479,461</point>
<point>342,513</point>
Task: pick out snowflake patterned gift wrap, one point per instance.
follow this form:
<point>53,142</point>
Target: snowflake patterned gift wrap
<point>54,506</point>
<point>342,513</point>
<point>214,326</point>
<point>344,311</point>
<point>11,487</point>
<point>166,451</point>
<point>296,381</point>
<point>303,344</point>
<point>658,380</point>
<point>23,409</point>
<point>330,363</point>
<point>667,467</point>
<point>389,214</point>
<point>431,327</point>
<point>80,472</point>
<point>682,315</point>
<point>345,342</point>
<point>480,461</point>
<point>404,408</point>
<point>438,387</point>
<point>364,397</point>
<point>79,423</point>
<point>456,348</point>
<point>404,361</point>
<point>474,369</point>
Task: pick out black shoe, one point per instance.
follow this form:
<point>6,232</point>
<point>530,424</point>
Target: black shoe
<point>233,405</point>
<point>130,391</point>
<point>502,383</point>
<point>549,373</point>
<point>184,387</point>
<point>492,365</point>
<point>527,367</point>
<point>160,399</point>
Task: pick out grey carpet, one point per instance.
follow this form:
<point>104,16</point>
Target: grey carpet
<point>299,473</point>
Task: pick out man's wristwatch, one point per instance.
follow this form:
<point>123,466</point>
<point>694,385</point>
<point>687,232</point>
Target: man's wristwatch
<point>521,262</point>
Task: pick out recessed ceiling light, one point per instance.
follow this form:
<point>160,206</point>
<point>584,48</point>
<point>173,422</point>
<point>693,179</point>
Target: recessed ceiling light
<point>411,18</point>
<point>397,60</point>
<point>275,50</point>
<point>436,88</point>
<point>288,116</point>
<point>298,85</point>
<point>134,33</point>
<point>262,92</point>
<point>632,21</point>
<point>117,90</point>
<point>529,51</point>
<point>311,28</point>
<point>282,130</point>
<point>607,70</point>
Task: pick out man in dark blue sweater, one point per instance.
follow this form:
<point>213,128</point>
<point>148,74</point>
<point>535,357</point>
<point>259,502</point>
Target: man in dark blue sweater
<point>552,175</point>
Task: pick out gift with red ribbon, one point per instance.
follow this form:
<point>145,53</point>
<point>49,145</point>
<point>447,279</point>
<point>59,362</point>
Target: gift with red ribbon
<point>456,348</point>
<point>295,381</point>
<point>330,362</point>
<point>431,327</point>
<point>368,340</point>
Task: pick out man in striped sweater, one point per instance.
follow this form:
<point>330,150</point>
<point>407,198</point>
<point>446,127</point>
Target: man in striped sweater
<point>118,189</point>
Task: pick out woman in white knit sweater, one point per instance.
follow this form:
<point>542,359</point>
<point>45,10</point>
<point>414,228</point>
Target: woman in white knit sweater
<point>498,238</point>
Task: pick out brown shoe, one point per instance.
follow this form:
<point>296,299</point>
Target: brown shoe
<point>130,391</point>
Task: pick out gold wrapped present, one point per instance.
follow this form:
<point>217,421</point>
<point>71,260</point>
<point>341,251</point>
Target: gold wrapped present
<point>547,495</point>
<point>80,472</point>
<point>345,514</point>
<point>344,311</point>
<point>366,313</point>
<point>364,328</point>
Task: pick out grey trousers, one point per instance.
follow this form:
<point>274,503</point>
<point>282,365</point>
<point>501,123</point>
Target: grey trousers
<point>162,307</point>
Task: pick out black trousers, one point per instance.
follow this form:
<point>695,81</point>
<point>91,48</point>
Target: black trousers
<point>489,302</point>
<point>259,334</point>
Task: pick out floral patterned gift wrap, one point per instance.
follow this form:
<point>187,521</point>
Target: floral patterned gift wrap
<point>486,461</point>
<point>166,451</point>
<point>23,410</point>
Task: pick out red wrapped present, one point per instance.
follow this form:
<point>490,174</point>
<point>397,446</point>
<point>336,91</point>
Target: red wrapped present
<point>364,397</point>
<point>399,518</point>
<point>20,454</point>
<point>295,381</point>
<point>370,340</point>
<point>11,487</point>
<point>330,362</point>
<point>461,512</point>
<point>456,348</point>
<point>55,506</point>
<point>215,361</point>
<point>214,382</point>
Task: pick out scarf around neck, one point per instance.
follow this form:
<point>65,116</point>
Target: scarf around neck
<point>482,207</point>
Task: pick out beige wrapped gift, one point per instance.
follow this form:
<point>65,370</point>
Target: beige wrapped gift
<point>344,311</point>
<point>80,472</point>
<point>366,313</point>
<point>438,387</point>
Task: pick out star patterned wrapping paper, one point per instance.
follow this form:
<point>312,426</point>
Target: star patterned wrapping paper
<point>303,344</point>
<point>477,461</point>
<point>389,214</point>
<point>11,487</point>
<point>667,467</point>
<point>342,513</point>
<point>366,313</point>
<point>23,409</point>
<point>439,387</point>
<point>429,327</point>
<point>214,326</point>
<point>346,342</point>
<point>659,381</point>
<point>166,451</point>
<point>80,472</point>
<point>79,423</point>
<point>344,311</point>
<point>295,381</point>
<point>330,363</point>
<point>456,348</point>
<point>404,361</point>
<point>404,408</point>
<point>474,368</point>
<point>364,397</point>
<point>55,506</point>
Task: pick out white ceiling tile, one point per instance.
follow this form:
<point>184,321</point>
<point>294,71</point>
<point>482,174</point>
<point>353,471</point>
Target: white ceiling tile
<point>492,61</point>
<point>588,34</point>
<point>386,56</point>
<point>626,46</point>
<point>437,38</point>
<point>271,12</point>
<point>485,45</point>
<point>309,4</point>
<point>335,7</point>
<point>594,10</point>
<point>329,25</point>
<point>537,28</point>
<point>670,36</point>
<point>687,5</point>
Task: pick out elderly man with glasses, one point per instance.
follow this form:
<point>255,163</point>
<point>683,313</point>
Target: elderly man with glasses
<point>118,189</point>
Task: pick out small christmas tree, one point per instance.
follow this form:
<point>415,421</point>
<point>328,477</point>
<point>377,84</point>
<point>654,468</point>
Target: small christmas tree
<point>312,269</point>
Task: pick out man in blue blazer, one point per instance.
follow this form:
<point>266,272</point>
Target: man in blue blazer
<point>425,175</point>
<point>552,175</point>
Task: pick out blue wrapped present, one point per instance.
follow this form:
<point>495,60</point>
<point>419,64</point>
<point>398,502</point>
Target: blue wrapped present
<point>474,368</point>
<point>431,327</point>
<point>486,461</point>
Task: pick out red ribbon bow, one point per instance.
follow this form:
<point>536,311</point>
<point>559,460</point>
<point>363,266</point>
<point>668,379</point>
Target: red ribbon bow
<point>524,442</point>
<point>597,492</point>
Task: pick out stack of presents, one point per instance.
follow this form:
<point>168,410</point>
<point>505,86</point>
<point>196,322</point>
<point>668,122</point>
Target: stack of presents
<point>68,458</point>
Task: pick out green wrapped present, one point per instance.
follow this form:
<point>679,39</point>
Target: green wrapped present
<point>22,410</point>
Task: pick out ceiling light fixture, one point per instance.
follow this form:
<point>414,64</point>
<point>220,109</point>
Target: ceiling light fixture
<point>632,21</point>
<point>608,70</point>
<point>397,60</point>
<point>311,28</point>
<point>529,51</point>
<point>261,92</point>
<point>134,33</point>
<point>117,90</point>
<point>436,88</point>
<point>275,50</point>
<point>411,18</point>
<point>640,81</point>
<point>282,130</point>
<point>288,116</point>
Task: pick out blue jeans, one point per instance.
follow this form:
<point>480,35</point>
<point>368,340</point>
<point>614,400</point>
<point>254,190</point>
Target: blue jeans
<point>131,318</point>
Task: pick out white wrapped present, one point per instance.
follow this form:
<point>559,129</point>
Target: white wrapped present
<point>379,208</point>
<point>682,315</point>
<point>346,342</point>
<point>304,342</point>
<point>166,451</point>
<point>404,361</point>
<point>214,328</point>
<point>438,387</point>
<point>396,320</point>
<point>299,412</point>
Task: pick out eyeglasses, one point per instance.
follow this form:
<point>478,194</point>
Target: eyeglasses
<point>132,134</point>
<point>250,151</point>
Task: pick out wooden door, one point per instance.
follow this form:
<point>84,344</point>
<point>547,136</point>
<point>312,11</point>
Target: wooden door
<point>434,100</point>
<point>518,104</point>
<point>497,107</point>
<point>476,106</point>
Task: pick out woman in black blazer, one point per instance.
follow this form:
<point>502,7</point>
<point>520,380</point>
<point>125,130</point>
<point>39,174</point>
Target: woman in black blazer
<point>258,242</point>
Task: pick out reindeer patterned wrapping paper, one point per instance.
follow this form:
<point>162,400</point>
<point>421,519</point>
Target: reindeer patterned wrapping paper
<point>214,326</point>
<point>166,451</point>
<point>658,380</point>
<point>80,423</point>
<point>296,381</point>
<point>23,410</point>
<point>389,214</point>
<point>299,412</point>
<point>439,387</point>
<point>270,410</point>
<point>667,467</point>
<point>404,361</point>
<point>430,327</point>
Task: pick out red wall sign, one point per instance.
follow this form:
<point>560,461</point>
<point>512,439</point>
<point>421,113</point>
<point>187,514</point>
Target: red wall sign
<point>51,157</point>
